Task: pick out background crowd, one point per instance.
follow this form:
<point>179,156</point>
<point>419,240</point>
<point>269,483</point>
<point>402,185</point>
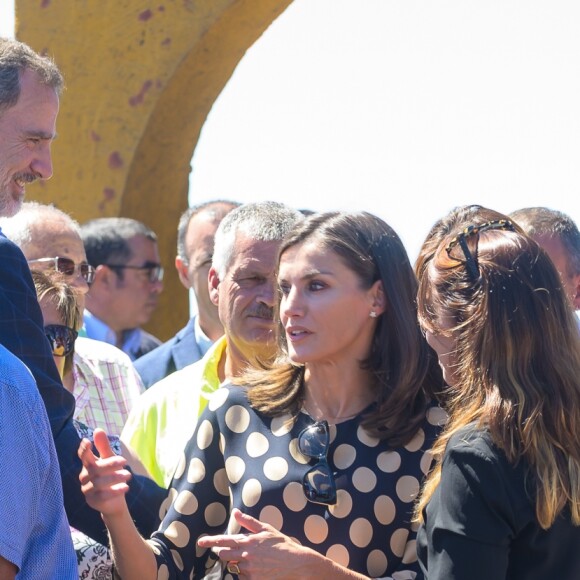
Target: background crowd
<point>329,410</point>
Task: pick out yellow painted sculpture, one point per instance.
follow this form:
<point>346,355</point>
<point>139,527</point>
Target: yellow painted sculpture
<point>141,78</point>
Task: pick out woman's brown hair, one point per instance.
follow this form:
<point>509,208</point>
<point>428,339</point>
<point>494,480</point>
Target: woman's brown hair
<point>518,360</point>
<point>404,371</point>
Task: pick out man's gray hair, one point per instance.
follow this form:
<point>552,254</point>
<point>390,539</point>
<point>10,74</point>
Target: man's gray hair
<point>26,226</point>
<point>217,209</point>
<point>15,58</point>
<point>266,221</point>
<point>542,221</point>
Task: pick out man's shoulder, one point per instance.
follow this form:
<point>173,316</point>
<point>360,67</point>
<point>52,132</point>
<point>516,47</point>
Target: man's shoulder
<point>186,381</point>
<point>179,351</point>
<point>92,350</point>
<point>173,384</point>
<point>11,251</point>
<point>149,341</point>
<point>156,357</point>
<point>15,374</point>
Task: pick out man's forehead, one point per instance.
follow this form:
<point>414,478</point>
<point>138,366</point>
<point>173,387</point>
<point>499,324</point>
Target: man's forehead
<point>53,240</point>
<point>252,253</point>
<point>201,233</point>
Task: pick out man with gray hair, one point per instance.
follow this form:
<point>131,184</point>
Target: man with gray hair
<point>195,236</point>
<point>558,236</point>
<point>242,285</point>
<point>127,284</point>
<point>30,86</point>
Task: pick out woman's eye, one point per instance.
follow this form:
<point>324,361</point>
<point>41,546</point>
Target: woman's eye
<point>284,289</point>
<point>315,285</point>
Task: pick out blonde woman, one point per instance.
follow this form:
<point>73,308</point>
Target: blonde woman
<point>503,500</point>
<point>62,320</point>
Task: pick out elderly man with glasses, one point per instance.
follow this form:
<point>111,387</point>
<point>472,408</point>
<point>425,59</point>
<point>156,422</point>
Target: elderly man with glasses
<point>101,377</point>
<point>127,284</point>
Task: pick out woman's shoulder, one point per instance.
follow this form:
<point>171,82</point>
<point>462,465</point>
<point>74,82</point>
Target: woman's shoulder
<point>474,444</point>
<point>473,438</point>
<point>227,396</point>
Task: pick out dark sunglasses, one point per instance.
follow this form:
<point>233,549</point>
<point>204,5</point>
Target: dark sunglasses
<point>68,267</point>
<point>61,338</point>
<point>154,271</point>
<point>318,482</point>
<point>469,257</point>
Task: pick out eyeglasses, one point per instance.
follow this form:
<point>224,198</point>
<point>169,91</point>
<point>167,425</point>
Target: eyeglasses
<point>154,271</point>
<point>68,267</point>
<point>472,232</point>
<point>61,338</point>
<point>318,482</point>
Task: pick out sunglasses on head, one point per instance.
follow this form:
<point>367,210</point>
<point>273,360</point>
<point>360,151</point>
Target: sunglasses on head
<point>68,267</point>
<point>470,235</point>
<point>61,338</point>
<point>318,482</point>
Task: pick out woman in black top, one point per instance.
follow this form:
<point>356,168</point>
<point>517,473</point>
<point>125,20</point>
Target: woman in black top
<point>503,500</point>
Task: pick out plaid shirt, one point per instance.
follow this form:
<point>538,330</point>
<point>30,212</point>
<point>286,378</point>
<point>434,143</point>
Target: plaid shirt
<point>106,385</point>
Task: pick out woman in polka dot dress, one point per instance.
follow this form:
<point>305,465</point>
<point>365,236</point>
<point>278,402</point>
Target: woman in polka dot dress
<point>309,469</point>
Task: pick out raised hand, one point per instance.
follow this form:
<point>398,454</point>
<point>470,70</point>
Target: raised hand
<point>104,478</point>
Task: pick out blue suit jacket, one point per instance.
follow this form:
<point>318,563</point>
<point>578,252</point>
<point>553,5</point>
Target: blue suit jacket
<point>22,333</point>
<point>171,356</point>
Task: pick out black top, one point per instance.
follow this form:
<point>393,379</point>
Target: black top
<point>481,525</point>
<point>241,454</point>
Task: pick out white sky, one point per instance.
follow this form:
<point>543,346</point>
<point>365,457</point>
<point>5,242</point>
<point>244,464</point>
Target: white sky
<point>404,108</point>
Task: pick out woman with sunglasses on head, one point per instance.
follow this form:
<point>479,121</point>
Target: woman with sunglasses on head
<point>309,468</point>
<point>503,500</point>
<point>58,302</point>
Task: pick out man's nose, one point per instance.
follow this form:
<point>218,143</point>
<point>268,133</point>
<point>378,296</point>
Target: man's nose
<point>42,164</point>
<point>267,295</point>
<point>79,283</point>
<point>157,286</point>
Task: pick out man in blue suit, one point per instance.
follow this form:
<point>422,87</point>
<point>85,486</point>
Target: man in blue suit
<point>195,235</point>
<point>30,86</point>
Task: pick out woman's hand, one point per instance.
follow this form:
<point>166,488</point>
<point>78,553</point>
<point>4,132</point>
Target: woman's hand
<point>103,479</point>
<point>264,553</point>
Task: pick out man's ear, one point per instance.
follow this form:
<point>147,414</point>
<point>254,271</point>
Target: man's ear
<point>182,272</point>
<point>105,278</point>
<point>213,283</point>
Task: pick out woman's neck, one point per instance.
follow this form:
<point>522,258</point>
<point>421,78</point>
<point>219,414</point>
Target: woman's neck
<point>68,380</point>
<point>336,394</point>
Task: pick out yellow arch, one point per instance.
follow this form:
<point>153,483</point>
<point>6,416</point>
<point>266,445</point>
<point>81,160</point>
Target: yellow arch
<point>141,78</point>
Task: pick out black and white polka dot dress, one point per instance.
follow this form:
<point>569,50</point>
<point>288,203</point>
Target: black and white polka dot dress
<point>240,458</point>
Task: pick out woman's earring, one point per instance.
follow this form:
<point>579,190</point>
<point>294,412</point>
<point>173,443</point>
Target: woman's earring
<point>373,314</point>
